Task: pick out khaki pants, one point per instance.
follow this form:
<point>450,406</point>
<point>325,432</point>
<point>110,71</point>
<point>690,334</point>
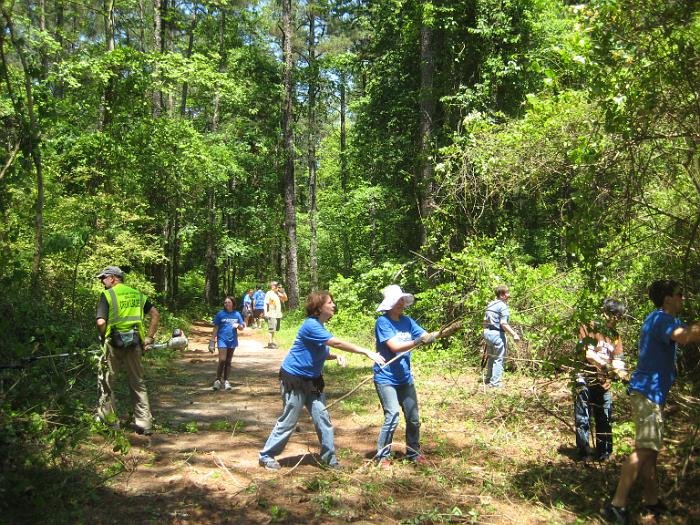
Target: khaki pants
<point>110,362</point>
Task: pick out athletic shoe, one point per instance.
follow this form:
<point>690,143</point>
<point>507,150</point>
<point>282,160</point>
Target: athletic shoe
<point>614,514</point>
<point>384,463</point>
<point>217,385</point>
<point>227,386</point>
<point>143,431</point>
<point>419,460</point>
<point>269,463</point>
<point>273,345</point>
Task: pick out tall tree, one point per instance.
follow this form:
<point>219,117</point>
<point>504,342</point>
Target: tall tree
<point>289,184</point>
<point>427,114</point>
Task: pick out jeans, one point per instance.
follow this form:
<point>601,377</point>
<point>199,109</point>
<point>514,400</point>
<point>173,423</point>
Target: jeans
<point>496,342</point>
<point>394,398</point>
<point>598,400</point>
<point>293,401</point>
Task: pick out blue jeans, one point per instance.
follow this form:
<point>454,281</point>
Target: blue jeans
<point>598,400</point>
<point>496,342</point>
<point>394,398</point>
<point>293,401</point>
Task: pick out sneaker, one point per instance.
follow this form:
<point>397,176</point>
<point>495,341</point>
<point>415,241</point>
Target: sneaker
<point>656,509</point>
<point>269,463</point>
<point>419,460</point>
<point>217,385</point>
<point>227,386</point>
<point>614,514</point>
<point>143,431</point>
<point>602,457</point>
<point>272,345</point>
<point>384,463</point>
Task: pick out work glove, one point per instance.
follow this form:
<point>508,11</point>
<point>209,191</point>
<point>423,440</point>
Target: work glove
<point>148,342</point>
<point>426,338</point>
<point>212,346</point>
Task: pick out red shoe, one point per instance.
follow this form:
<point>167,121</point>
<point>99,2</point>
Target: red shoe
<point>384,464</point>
<point>420,460</point>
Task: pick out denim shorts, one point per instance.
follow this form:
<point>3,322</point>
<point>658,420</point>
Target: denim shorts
<point>649,422</point>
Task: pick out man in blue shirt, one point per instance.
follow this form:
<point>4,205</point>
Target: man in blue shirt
<point>496,326</point>
<point>661,332</point>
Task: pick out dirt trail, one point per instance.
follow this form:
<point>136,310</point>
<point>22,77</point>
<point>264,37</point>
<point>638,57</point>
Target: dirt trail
<point>201,463</point>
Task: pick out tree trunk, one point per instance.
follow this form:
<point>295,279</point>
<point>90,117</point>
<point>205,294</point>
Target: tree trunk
<point>30,136</point>
<point>344,175</point>
<point>107,99</point>
<point>211,280</point>
<point>157,101</point>
<point>311,152</point>
<point>211,274</point>
<point>290,226</point>
<point>188,54</point>
<point>427,114</point>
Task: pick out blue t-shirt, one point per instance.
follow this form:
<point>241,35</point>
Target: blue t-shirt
<point>398,372</point>
<point>259,300</point>
<point>226,334</point>
<point>309,351</point>
<point>247,300</point>
<point>656,368</point>
<point>496,312</point>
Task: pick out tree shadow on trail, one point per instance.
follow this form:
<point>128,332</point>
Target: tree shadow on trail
<point>579,487</point>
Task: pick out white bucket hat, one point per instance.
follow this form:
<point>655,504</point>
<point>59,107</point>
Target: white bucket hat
<point>392,294</point>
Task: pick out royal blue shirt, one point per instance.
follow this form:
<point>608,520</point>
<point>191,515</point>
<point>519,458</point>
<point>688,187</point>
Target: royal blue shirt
<point>398,372</point>
<point>656,368</point>
<point>259,300</point>
<point>309,351</point>
<point>226,334</point>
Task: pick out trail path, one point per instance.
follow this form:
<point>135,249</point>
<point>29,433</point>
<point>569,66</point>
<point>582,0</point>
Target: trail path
<point>201,463</point>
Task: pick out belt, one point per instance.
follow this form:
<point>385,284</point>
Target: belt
<point>491,327</point>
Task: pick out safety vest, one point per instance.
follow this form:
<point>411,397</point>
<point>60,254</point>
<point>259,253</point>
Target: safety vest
<point>125,309</point>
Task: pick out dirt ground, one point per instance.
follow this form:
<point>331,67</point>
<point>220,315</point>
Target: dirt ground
<point>492,459</point>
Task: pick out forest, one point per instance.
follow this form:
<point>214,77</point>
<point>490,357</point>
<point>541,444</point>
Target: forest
<point>449,146</point>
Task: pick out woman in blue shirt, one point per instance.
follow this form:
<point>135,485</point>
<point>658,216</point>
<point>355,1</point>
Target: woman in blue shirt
<point>397,334</point>
<point>225,337</point>
<point>301,381</point>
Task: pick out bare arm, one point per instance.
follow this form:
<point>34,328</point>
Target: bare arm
<point>396,345</point>
<point>687,334</point>
<point>101,326</point>
<point>155,319</point>
<point>354,349</point>
<point>510,330</point>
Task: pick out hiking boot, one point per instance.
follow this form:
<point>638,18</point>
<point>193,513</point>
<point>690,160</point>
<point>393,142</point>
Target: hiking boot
<point>227,386</point>
<point>216,385</point>
<point>269,463</point>
<point>613,514</point>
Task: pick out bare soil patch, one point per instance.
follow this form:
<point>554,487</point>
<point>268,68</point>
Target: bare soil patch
<point>493,457</point>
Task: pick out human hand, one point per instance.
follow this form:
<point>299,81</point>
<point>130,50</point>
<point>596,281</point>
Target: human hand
<point>376,357</point>
<point>426,338</point>
<point>516,337</point>
<point>212,346</point>
<point>341,360</point>
<point>147,343</point>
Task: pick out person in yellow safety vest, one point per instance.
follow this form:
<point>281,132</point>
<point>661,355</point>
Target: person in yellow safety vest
<point>120,321</point>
